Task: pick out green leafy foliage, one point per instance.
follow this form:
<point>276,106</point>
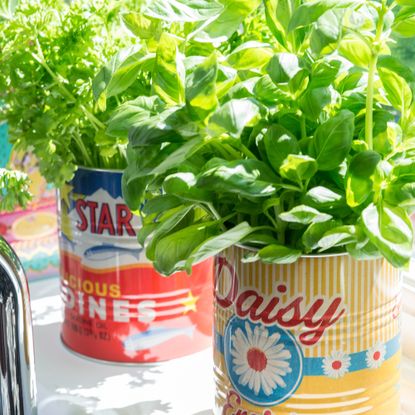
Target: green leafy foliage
<point>333,140</point>
<point>14,190</point>
<point>285,126</point>
<point>7,8</point>
<point>50,51</point>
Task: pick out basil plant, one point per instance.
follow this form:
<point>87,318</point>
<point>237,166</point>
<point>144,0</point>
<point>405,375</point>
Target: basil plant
<point>283,125</point>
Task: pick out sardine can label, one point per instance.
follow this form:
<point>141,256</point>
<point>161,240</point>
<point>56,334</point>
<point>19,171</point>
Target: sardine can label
<point>117,307</point>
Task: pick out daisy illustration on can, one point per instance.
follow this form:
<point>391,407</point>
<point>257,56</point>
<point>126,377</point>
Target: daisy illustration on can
<point>319,336</point>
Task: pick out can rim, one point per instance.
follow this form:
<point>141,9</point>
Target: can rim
<point>79,167</point>
<point>313,256</point>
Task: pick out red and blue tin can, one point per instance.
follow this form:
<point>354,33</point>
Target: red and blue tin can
<point>116,306</point>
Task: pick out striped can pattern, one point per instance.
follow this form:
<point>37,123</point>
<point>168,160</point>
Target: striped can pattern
<point>320,336</point>
<point>116,306</point>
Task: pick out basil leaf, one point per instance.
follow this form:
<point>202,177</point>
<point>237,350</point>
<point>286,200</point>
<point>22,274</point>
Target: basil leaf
<point>249,178</point>
<point>400,194</point>
<point>313,102</point>
<point>226,79</point>
<point>388,140</point>
<point>276,13</point>
<point>304,215</point>
<point>404,24</point>
<point>225,24</point>
<point>356,50</point>
<point>201,87</point>
<point>266,91</point>
<point>325,32</point>
<point>299,83</point>
<point>283,67</point>
<point>142,26</point>
<point>279,144</point>
<point>131,113</point>
<point>314,233</point>
<point>179,156</point>
<point>219,243</point>
<point>340,236</point>
<point>173,251</point>
<point>120,73</point>
<point>154,131</point>
<point>405,2</point>
<point>182,10</point>
<point>176,218</point>
<point>279,254</point>
<point>233,117</point>
<point>359,181</point>
<point>144,232</point>
<point>333,140</point>
<point>351,81</point>
<point>324,73</point>
<point>184,185</point>
<point>395,65</point>
<point>14,189</point>
<point>258,238</point>
<point>363,251</point>
<point>323,198</point>
<point>309,12</point>
<point>390,230</point>
<point>169,73</point>
<point>404,170</point>
<point>298,168</point>
<point>160,204</point>
<point>250,55</point>
<point>398,91</point>
<point>133,188</point>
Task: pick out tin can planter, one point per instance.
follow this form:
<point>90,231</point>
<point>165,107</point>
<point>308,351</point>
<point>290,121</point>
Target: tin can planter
<point>116,306</point>
<point>320,336</point>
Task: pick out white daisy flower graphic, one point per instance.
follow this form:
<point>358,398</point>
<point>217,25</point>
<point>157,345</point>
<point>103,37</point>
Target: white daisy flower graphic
<point>336,365</point>
<point>260,360</point>
<point>375,356</point>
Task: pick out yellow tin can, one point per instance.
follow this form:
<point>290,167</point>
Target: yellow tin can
<point>320,336</point>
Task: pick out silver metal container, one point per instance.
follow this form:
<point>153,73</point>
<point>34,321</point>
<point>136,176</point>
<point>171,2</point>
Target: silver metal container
<point>17,369</point>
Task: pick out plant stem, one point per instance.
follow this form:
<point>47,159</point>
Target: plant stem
<point>369,102</point>
<point>210,209</point>
<point>232,152</point>
<point>371,78</point>
<point>97,124</point>
<point>213,211</point>
<point>303,128</point>
<point>248,152</point>
<point>263,228</point>
<point>83,150</point>
<point>272,220</point>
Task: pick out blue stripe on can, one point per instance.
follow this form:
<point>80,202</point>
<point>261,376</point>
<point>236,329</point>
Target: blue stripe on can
<point>89,181</point>
<point>313,366</point>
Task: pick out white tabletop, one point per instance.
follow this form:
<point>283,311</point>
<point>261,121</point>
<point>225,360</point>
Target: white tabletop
<point>71,385</point>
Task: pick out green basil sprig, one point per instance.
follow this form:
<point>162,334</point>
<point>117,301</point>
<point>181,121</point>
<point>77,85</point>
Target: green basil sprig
<point>286,126</point>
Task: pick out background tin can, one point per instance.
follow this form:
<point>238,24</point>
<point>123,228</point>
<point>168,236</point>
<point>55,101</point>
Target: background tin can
<point>320,336</point>
<point>116,307</point>
<point>32,232</point>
